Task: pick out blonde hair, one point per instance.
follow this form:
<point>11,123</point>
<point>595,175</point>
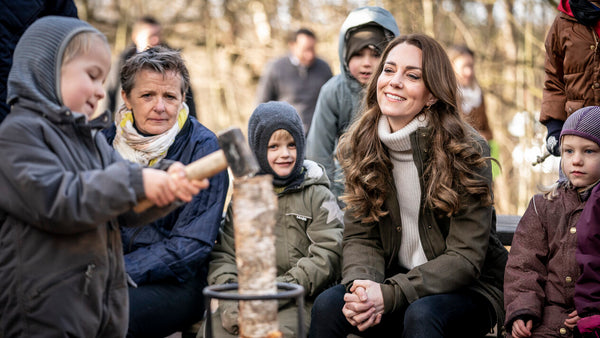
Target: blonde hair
<point>83,43</point>
<point>452,172</point>
<point>281,134</point>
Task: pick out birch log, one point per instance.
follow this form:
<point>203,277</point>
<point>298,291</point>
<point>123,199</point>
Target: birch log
<point>254,211</point>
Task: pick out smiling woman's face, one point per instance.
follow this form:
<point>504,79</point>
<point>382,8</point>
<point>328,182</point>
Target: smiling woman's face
<point>401,90</point>
<point>155,101</point>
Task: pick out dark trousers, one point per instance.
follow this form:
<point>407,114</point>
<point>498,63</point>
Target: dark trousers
<point>463,314</point>
<point>160,309</point>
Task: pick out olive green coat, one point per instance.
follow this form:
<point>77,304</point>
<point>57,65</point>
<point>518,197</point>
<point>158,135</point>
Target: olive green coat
<point>463,251</point>
<point>308,244</point>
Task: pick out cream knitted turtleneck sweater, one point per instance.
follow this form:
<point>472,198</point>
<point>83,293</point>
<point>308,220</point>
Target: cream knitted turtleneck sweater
<point>408,189</point>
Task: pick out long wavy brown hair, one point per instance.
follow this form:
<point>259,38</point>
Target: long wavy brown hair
<point>451,173</point>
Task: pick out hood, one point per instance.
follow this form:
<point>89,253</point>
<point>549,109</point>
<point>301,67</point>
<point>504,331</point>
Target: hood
<point>34,79</point>
<point>564,7</point>
<point>361,16</point>
<point>313,174</point>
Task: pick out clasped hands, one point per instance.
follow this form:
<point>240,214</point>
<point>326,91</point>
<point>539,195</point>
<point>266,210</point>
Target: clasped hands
<point>364,304</point>
<point>163,188</point>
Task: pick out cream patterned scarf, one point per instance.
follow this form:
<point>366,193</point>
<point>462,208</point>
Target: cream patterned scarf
<point>144,150</point>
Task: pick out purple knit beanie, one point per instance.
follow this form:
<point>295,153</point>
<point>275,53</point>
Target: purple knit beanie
<point>585,122</point>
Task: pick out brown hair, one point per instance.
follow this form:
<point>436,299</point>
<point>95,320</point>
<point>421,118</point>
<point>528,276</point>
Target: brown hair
<point>157,59</point>
<point>451,172</point>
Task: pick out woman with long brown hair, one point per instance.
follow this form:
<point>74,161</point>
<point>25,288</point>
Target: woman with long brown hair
<point>420,256</point>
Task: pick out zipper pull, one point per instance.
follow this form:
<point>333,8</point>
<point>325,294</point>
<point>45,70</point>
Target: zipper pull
<point>88,277</point>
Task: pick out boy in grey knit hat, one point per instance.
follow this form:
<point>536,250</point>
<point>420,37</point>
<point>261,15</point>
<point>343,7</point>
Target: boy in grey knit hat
<point>308,232</point>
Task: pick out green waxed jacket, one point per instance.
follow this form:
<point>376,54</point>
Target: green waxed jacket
<point>463,251</point>
<point>308,237</point>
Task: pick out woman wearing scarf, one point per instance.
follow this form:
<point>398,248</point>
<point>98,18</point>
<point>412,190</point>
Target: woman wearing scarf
<point>167,260</point>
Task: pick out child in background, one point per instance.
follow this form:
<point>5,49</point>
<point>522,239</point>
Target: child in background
<point>363,36</point>
<point>308,232</point>
<point>471,102</point>
<point>541,272</point>
<point>64,190</point>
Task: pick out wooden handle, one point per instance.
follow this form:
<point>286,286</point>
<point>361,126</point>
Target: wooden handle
<point>205,167</point>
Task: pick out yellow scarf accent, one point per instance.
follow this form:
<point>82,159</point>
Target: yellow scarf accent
<point>144,150</point>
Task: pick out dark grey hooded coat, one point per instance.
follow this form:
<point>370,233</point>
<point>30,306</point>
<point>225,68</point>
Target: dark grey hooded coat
<point>62,191</point>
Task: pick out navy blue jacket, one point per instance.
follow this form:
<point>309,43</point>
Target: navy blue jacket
<point>15,17</point>
<point>178,245</point>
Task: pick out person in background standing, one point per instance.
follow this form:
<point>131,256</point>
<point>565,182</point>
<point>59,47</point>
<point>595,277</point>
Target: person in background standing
<point>572,66</point>
<point>145,33</point>
<point>15,17</point>
<point>297,77</point>
<point>471,100</point>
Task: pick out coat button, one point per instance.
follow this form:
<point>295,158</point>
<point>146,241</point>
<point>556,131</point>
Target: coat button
<point>596,85</point>
<point>573,230</point>
<point>592,47</point>
<point>568,279</point>
<point>398,228</point>
<point>562,331</point>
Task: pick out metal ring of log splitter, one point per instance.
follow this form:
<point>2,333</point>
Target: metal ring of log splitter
<point>217,292</point>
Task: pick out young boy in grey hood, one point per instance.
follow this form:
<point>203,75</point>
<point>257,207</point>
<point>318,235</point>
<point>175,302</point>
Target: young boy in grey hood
<point>363,35</point>
<point>64,190</point>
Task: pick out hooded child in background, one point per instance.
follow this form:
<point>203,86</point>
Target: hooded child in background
<point>363,36</point>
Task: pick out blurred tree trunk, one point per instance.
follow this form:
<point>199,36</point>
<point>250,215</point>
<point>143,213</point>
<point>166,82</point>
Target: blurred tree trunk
<point>428,17</point>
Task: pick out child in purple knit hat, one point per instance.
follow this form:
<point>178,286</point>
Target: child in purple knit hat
<point>552,278</point>
<point>585,123</point>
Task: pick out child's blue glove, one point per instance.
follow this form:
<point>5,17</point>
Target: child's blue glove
<point>553,138</point>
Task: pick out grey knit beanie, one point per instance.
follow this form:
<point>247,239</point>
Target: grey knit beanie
<point>265,120</point>
<point>585,122</point>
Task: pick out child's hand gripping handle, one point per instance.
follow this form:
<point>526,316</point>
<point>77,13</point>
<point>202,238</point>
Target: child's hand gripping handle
<point>205,167</point>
